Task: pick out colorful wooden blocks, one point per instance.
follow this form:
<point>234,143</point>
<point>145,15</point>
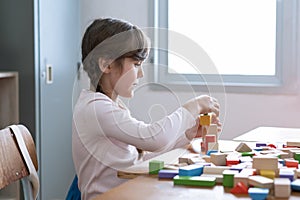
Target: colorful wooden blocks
<point>194,181</point>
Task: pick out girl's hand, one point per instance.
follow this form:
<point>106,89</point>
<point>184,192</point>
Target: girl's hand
<point>202,104</point>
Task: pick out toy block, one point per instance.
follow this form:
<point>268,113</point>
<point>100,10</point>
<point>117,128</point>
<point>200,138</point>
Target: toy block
<point>213,130</point>
<point>209,152</point>
<point>191,170</point>
<point>190,158</point>
<point>175,165</point>
<point>212,146</point>
<point>228,177</point>
<point>296,185</point>
<point>282,187</point>
<point>167,174</point>
<point>297,156</point>
<point>259,144</point>
<point>287,173</point>
<point>291,163</point>
<point>293,143</point>
<point>250,154</point>
<point>265,162</point>
<point>260,181</point>
<point>239,188</point>
<point>206,158</point>
<point>258,193</point>
<point>218,159</point>
<point>284,155</point>
<point>215,169</point>
<point>219,177</point>
<point>194,181</point>
<point>240,177</point>
<point>267,173</point>
<point>155,166</point>
<point>272,146</point>
<point>297,173</point>
<point>232,159</point>
<point>243,147</point>
<point>246,159</point>
<point>238,167</point>
<point>205,119</point>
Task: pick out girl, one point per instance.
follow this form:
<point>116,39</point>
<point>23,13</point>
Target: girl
<point>105,136</point>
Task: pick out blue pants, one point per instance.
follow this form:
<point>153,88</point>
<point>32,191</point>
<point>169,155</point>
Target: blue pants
<point>74,192</point>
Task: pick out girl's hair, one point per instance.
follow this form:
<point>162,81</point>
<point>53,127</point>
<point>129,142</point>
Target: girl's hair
<point>111,39</point>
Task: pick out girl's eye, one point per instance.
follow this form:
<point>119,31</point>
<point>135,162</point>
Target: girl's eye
<point>136,65</point>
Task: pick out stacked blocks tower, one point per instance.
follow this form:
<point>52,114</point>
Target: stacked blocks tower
<point>209,134</point>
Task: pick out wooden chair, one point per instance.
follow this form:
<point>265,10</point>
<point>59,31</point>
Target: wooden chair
<point>18,160</point>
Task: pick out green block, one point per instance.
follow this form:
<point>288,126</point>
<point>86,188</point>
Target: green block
<point>155,166</point>
<point>251,154</point>
<point>228,177</point>
<point>297,156</point>
<point>194,181</point>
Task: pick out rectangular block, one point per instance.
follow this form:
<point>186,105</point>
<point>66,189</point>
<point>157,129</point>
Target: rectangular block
<point>194,181</point>
<point>167,173</point>
<point>267,173</point>
<point>260,181</point>
<point>265,162</point>
<point>215,169</point>
<point>191,170</point>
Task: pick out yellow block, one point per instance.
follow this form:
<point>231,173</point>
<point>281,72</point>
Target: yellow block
<point>267,173</point>
<point>205,119</point>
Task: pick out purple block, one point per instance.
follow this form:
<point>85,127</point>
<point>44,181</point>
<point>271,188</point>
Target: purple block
<point>286,175</point>
<point>167,173</point>
<point>261,144</point>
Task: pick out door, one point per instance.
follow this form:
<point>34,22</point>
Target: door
<point>58,54</point>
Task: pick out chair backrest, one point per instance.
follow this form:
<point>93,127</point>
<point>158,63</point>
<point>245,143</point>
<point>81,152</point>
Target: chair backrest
<point>13,162</point>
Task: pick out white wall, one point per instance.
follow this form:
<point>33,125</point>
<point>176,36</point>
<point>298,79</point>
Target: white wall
<point>240,112</point>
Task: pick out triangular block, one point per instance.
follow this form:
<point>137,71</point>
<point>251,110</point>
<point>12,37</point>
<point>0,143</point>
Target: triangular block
<point>239,188</point>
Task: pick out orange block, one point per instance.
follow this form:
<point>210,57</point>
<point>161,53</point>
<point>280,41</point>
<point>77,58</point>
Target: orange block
<point>205,119</point>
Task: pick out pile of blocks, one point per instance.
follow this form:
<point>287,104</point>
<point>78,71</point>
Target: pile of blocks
<point>259,172</point>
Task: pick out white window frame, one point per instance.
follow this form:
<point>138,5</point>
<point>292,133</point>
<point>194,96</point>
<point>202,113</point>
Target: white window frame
<point>285,80</point>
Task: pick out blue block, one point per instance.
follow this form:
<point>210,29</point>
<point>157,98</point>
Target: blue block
<point>191,170</point>
<point>258,193</point>
<point>296,185</point>
<point>211,151</point>
<point>167,173</point>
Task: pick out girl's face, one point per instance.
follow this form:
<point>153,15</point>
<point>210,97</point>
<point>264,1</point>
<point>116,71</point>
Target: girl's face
<point>126,80</point>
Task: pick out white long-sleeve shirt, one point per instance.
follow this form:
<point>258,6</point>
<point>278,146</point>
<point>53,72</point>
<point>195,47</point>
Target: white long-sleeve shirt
<point>105,138</point>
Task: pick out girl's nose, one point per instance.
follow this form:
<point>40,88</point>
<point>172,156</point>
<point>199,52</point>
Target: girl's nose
<point>140,73</point>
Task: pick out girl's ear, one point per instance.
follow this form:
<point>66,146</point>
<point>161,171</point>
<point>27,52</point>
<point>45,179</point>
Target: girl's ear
<point>104,65</point>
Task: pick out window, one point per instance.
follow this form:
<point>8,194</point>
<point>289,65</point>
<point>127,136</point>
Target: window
<point>242,45</point>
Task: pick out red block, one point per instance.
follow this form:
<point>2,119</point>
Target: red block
<point>239,188</point>
<point>292,163</point>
